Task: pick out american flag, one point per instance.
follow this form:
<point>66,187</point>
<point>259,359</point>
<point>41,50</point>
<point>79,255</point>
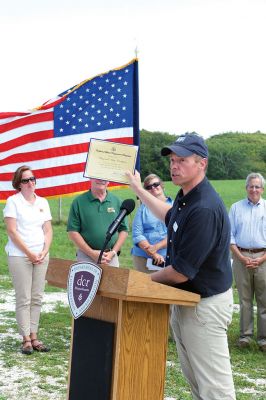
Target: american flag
<point>54,138</point>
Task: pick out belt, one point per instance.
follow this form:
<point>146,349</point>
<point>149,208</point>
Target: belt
<point>107,251</point>
<point>251,250</point>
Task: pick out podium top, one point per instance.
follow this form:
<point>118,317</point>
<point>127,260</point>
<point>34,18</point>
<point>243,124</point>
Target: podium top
<point>124,284</point>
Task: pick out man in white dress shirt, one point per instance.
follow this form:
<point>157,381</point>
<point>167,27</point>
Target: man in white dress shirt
<point>248,245</point>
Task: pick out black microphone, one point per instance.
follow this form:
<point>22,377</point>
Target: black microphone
<point>126,208</point>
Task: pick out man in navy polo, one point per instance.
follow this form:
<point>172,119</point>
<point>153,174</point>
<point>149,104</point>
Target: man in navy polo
<point>198,261</point>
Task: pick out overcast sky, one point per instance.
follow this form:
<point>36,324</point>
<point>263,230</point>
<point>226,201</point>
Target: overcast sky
<point>202,63</point>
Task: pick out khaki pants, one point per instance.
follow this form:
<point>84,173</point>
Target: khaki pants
<point>140,264</point>
<point>251,283</point>
<point>29,282</point>
<point>201,339</point>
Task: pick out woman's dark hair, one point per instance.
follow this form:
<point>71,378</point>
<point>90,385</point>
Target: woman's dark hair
<point>16,181</point>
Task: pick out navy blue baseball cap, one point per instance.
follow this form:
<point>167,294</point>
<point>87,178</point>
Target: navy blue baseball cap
<point>186,145</point>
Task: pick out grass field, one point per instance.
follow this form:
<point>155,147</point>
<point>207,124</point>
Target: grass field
<point>44,376</point>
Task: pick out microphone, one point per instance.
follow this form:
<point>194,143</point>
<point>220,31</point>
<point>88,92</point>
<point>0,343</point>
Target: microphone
<point>126,208</point>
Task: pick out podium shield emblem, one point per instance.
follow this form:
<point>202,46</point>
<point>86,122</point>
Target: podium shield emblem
<point>82,285</point>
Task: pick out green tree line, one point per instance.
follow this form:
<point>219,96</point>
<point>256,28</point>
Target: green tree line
<point>232,155</point>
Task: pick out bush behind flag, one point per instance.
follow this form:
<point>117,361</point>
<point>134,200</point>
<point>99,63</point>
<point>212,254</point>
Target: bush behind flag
<point>54,139</point>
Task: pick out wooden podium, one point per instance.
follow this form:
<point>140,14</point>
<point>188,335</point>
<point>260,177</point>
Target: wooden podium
<point>119,345</point>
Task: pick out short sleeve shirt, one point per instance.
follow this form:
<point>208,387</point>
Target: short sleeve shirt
<point>91,218</point>
<point>30,219</point>
<point>199,240</point>
<point>146,226</point>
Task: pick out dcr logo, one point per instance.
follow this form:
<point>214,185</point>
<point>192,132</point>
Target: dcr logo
<point>83,282</point>
<point>181,139</point>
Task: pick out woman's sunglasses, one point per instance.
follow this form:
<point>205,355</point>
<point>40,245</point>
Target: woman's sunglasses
<point>31,179</point>
<point>153,185</point>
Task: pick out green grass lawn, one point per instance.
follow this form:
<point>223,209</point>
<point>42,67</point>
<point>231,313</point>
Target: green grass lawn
<point>44,376</point>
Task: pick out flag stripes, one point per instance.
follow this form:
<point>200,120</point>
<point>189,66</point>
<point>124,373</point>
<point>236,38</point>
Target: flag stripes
<point>54,139</point>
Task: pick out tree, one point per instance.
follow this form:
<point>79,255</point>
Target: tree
<point>232,155</point>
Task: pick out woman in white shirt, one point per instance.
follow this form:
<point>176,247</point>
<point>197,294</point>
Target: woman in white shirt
<point>28,223</point>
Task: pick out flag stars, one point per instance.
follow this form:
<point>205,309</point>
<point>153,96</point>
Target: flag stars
<point>102,102</point>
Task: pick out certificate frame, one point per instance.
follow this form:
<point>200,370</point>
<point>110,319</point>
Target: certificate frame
<point>108,160</point>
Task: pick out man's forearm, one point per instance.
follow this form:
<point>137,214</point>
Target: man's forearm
<point>80,243</point>
<point>168,276</point>
<point>120,241</point>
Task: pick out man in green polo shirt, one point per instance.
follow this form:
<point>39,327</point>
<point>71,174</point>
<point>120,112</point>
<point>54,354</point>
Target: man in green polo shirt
<point>90,215</point>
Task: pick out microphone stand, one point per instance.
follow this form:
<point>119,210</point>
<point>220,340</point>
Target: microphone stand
<point>107,239</point>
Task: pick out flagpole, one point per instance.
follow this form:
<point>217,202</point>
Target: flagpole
<point>60,209</point>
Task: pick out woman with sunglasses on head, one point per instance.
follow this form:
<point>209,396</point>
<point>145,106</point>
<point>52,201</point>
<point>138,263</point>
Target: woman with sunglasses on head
<point>148,232</point>
<point>28,223</point>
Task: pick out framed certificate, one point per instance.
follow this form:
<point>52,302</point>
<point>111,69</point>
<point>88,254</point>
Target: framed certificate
<point>110,160</point>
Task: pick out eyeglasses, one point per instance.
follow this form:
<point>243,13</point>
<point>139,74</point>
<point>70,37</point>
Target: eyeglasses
<point>153,185</point>
<point>31,179</point>
<point>254,187</point>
